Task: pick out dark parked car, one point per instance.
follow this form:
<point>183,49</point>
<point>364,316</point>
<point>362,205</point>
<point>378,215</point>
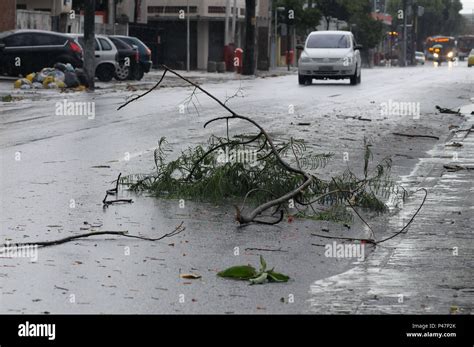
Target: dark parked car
<point>128,58</point>
<point>26,51</point>
<point>145,62</point>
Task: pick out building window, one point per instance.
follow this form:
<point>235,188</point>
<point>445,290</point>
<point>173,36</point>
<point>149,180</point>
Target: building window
<point>170,9</point>
<point>216,9</point>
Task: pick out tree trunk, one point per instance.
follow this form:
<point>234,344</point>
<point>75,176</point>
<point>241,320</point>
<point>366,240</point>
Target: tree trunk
<point>249,49</point>
<point>89,42</point>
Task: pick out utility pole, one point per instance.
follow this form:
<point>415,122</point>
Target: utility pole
<point>188,40</point>
<point>276,39</point>
<point>227,17</point>
<point>404,46</point>
<point>249,49</point>
<point>234,24</point>
<point>269,41</point>
<point>89,42</point>
<point>111,13</point>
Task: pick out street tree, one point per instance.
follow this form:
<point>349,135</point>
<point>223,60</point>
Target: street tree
<point>440,17</point>
<point>333,9</point>
<point>367,30</point>
<point>89,42</point>
<point>305,15</point>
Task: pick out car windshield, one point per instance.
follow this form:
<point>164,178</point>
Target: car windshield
<point>328,41</point>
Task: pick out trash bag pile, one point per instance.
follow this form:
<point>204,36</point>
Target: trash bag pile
<point>60,76</point>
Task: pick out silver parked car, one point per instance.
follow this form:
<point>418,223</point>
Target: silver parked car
<point>330,55</point>
<point>106,54</point>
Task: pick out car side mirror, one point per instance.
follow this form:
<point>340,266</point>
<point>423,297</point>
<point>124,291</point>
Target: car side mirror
<point>358,47</point>
<point>300,47</point>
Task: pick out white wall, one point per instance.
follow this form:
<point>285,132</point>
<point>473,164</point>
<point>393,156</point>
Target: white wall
<point>33,20</point>
<point>55,6</point>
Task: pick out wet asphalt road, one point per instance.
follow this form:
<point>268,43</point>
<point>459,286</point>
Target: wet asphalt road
<point>68,162</point>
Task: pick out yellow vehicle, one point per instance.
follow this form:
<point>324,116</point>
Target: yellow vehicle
<point>470,59</point>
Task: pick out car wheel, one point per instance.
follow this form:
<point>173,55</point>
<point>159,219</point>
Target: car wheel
<point>354,78</point>
<point>122,72</point>
<point>139,73</point>
<point>105,72</point>
<point>301,79</point>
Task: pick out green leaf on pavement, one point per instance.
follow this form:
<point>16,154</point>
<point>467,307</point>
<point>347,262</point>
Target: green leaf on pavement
<point>277,277</point>
<point>243,272</point>
<point>263,264</point>
<point>260,279</point>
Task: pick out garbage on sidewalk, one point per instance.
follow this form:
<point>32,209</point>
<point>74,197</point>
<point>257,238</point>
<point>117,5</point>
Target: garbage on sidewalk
<point>60,76</point>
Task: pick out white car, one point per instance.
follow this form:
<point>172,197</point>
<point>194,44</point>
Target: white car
<point>330,55</point>
<point>106,55</point>
<point>420,58</point>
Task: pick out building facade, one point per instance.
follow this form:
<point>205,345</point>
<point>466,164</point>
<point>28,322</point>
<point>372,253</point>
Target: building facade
<point>216,27</point>
<point>166,30</point>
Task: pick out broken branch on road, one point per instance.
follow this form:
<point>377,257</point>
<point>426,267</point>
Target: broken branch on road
<point>178,229</point>
<point>447,110</point>
<point>417,135</point>
<point>114,191</point>
<point>276,175</point>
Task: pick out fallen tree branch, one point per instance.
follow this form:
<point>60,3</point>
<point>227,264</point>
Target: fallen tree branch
<point>243,218</point>
<point>415,135</point>
<point>388,238</point>
<point>265,249</point>
<point>180,228</point>
<point>148,91</point>
<point>299,184</point>
<point>411,219</point>
<point>447,110</point>
<point>354,209</point>
<point>454,168</point>
<point>114,191</point>
<point>345,238</point>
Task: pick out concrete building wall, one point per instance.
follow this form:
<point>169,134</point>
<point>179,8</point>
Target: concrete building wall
<point>26,19</point>
<point>127,7</point>
<point>7,15</point>
<point>202,7</point>
<point>207,17</point>
<point>56,7</point>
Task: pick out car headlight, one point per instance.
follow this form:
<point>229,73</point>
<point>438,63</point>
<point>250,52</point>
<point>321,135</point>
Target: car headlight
<point>305,59</point>
<point>435,55</point>
<point>450,54</point>
<point>348,60</point>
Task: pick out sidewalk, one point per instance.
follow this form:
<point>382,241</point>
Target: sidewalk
<point>428,270</point>
<point>222,77</point>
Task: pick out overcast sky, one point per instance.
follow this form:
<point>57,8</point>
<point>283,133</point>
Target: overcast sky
<point>468,6</point>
